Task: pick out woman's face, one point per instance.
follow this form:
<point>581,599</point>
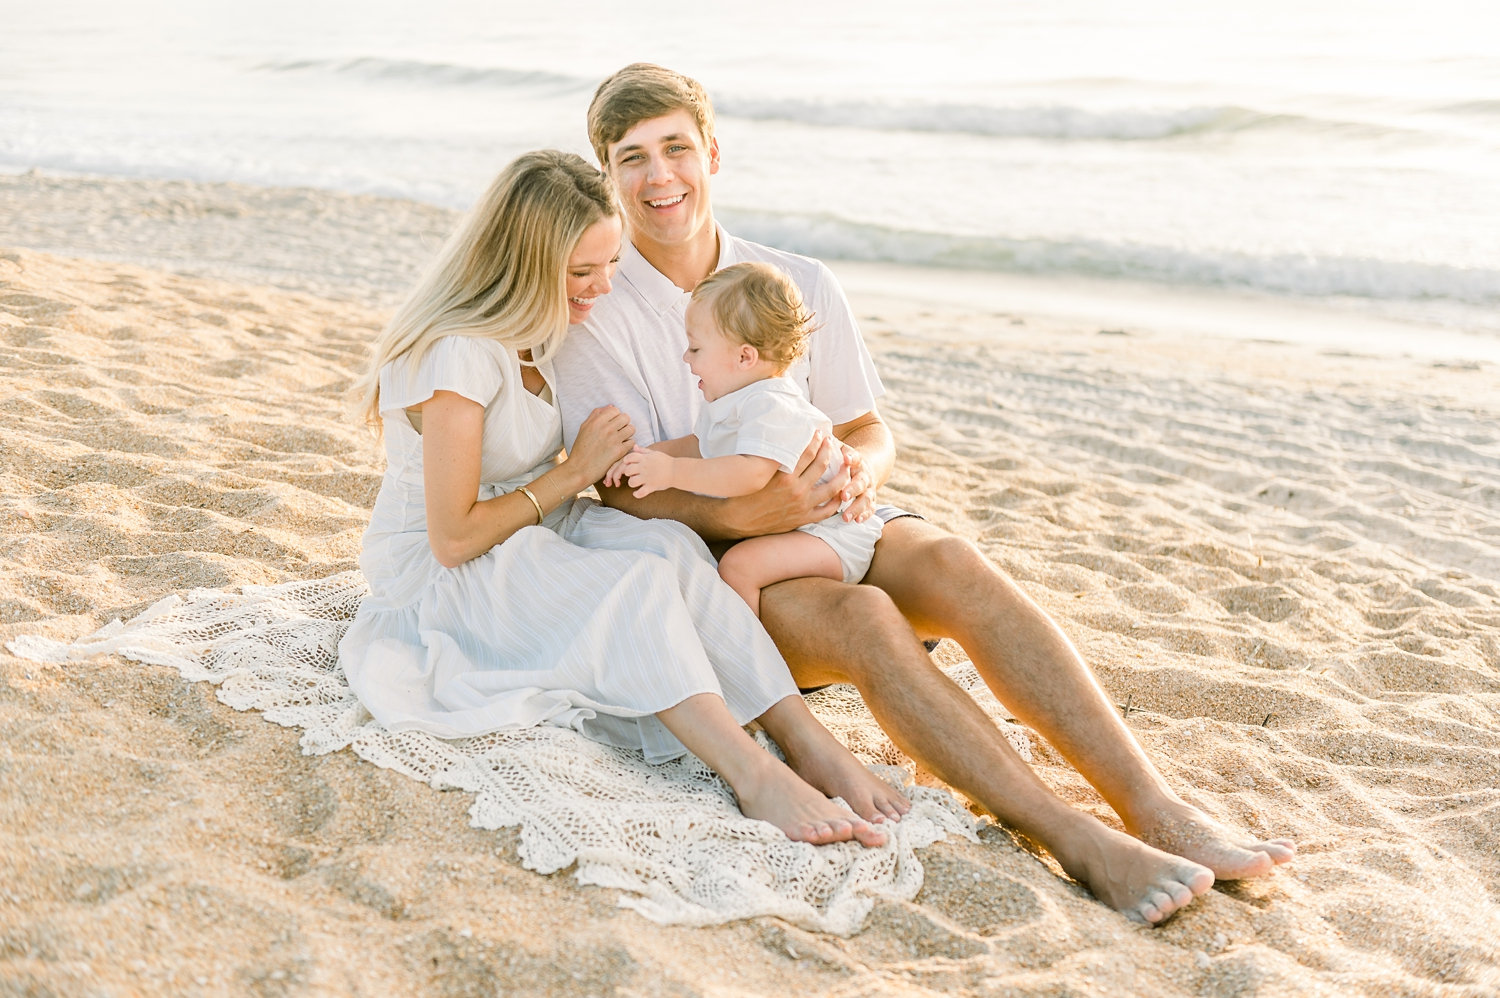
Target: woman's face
<point>591,265</point>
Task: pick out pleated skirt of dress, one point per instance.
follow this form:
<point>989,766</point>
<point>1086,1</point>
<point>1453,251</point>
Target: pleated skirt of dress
<point>596,625</point>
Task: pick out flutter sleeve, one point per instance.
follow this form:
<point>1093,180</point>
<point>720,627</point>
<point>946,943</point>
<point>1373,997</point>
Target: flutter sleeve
<point>468,365</point>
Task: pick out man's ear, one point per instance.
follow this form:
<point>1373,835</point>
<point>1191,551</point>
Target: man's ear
<point>713,155</point>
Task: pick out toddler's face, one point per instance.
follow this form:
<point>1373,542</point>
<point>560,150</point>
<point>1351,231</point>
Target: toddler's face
<point>713,357</point>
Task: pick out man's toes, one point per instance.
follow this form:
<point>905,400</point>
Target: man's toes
<point>1181,894</point>
<point>1278,854</point>
<point>1280,850</point>
<point>1254,863</point>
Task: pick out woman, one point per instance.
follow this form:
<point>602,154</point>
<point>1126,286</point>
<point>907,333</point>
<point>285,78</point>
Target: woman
<point>498,599</point>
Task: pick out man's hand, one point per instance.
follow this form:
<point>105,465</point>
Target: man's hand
<point>791,500</point>
<point>858,497</point>
<point>646,471</point>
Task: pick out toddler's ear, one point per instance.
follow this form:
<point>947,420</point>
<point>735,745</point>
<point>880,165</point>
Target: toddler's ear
<point>748,356</point>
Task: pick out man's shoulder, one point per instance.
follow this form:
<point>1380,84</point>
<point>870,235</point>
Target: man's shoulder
<point>807,271</point>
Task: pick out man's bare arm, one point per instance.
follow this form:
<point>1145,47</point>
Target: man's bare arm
<point>790,500</point>
<point>678,447</point>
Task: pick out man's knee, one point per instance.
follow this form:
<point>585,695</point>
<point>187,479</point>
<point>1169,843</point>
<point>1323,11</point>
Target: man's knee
<point>946,584</point>
<point>824,604</point>
<point>959,561</point>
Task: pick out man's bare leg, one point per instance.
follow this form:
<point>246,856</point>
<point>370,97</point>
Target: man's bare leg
<point>946,587</point>
<point>936,723</point>
<point>765,787</point>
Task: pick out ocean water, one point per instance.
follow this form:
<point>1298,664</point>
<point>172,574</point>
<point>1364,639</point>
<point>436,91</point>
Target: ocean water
<point>1337,150</point>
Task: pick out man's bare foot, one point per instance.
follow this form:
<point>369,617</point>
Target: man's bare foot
<point>780,796</point>
<point>1143,883</point>
<point>1182,830</point>
<point>837,773</point>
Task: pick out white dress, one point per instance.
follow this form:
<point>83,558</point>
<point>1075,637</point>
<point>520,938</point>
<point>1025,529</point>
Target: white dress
<point>595,620</point>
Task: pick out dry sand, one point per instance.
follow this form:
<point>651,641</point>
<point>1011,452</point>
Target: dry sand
<point>1285,561</point>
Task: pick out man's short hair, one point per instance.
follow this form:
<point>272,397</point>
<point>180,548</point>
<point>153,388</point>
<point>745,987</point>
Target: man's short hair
<point>639,92</point>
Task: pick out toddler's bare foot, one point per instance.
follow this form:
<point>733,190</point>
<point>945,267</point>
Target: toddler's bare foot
<point>1143,883</point>
<point>836,772</point>
<point>780,796</point>
<point>1181,829</point>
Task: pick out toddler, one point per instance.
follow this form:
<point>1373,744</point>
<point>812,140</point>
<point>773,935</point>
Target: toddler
<point>746,325</point>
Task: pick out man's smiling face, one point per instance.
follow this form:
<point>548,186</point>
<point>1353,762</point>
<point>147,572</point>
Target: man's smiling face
<point>662,168</point>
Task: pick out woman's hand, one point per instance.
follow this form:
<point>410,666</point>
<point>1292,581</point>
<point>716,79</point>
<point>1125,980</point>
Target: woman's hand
<point>604,438</point>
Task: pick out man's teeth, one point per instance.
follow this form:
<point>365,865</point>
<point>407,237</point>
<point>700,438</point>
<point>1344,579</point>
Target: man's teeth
<point>665,202</point>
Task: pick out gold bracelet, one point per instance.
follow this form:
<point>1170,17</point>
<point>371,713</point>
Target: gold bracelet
<point>527,493</point>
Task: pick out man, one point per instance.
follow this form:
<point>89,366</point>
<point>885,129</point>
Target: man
<point>653,131</point>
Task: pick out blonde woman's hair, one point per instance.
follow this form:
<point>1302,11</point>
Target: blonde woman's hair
<point>758,304</point>
<point>503,272</point>
<point>639,92</point>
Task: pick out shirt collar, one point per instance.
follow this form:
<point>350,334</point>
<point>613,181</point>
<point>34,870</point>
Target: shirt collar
<point>654,286</point>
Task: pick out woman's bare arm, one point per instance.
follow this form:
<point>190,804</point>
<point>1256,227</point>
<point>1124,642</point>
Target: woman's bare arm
<point>460,526</point>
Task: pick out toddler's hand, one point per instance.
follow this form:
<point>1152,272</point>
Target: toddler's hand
<point>613,476</point>
<point>647,471</point>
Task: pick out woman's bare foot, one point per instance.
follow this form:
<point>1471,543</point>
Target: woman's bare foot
<point>1143,883</point>
<point>823,761</point>
<point>1182,830</point>
<point>837,773</point>
<point>776,794</point>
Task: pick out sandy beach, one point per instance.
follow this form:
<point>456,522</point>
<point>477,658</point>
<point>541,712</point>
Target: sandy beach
<point>1281,557</point>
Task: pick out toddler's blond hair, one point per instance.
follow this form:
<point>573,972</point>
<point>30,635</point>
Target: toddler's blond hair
<point>758,304</point>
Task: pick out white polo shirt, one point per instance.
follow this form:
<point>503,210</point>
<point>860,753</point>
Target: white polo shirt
<point>629,351</point>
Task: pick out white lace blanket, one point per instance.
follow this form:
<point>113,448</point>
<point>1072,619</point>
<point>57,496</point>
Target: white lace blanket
<point>670,837</point>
